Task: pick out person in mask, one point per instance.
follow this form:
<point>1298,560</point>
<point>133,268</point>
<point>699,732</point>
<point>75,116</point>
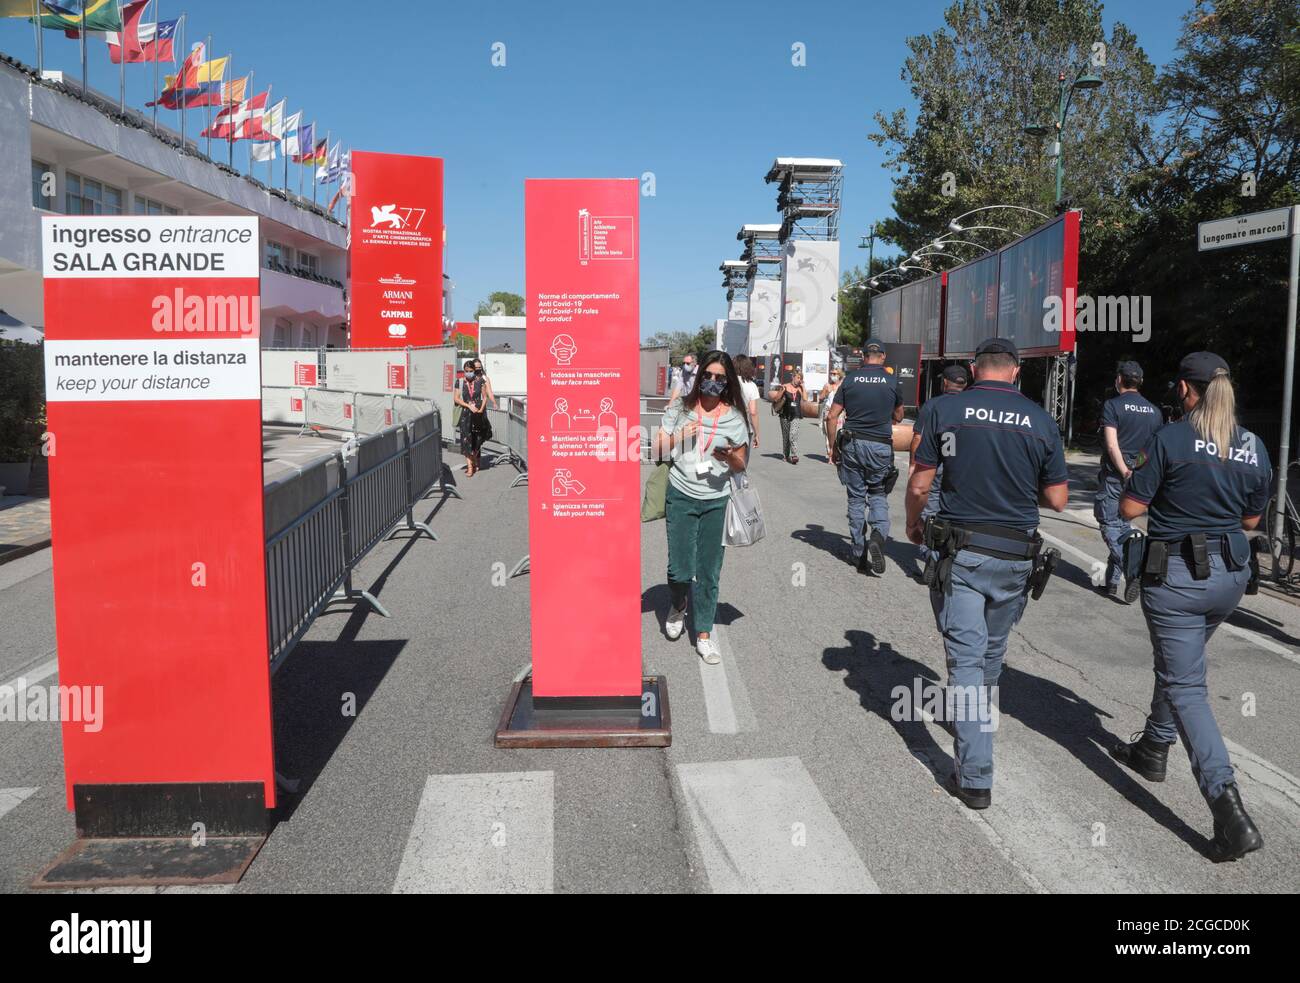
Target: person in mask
<point>472,398</point>
<point>706,434</point>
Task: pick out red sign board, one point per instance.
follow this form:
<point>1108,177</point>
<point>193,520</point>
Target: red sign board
<point>304,373</point>
<point>152,328</point>
<point>396,253</point>
<point>584,494</point>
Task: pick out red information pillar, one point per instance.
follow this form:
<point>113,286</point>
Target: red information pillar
<point>584,529</point>
<point>396,251</point>
<point>153,383</point>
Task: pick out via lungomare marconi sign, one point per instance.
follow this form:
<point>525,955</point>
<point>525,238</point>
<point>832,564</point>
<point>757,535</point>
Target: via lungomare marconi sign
<point>584,463</point>
<point>153,386</point>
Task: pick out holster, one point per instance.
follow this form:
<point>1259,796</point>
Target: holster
<point>1044,567</point>
<point>890,481</point>
<point>1134,548</point>
<point>1156,565</point>
<point>945,540</point>
<point>1257,545</point>
<point>1200,556</point>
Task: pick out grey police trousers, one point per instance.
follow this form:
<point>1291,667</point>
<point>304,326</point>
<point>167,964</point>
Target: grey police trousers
<point>1182,614</point>
<point>984,599</point>
<point>864,465</point>
<point>1105,509</point>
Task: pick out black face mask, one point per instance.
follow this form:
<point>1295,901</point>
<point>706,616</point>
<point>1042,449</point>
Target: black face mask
<point>713,387</point>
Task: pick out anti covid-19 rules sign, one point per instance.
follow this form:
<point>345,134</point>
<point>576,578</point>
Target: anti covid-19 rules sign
<point>153,379</point>
<point>584,486</point>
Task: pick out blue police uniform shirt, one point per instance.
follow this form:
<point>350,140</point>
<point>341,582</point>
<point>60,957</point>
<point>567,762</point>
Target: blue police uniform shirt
<point>998,448</point>
<point>1188,489</point>
<point>1134,418</point>
<point>869,396</point>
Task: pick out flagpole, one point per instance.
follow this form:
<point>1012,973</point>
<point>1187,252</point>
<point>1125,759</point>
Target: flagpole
<point>121,64</point>
<point>85,83</point>
<point>156,21</point>
<point>181,77</point>
<point>286,163</point>
<point>207,97</point>
<point>40,38</point>
<point>314,182</point>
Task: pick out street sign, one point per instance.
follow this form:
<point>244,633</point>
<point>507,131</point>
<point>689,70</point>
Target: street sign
<point>1241,230</point>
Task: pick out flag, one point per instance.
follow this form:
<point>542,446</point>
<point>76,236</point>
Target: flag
<point>154,42</point>
<point>308,148</point>
<point>233,120</point>
<point>93,15</point>
<point>18,8</point>
<point>290,145</point>
<point>266,129</point>
<point>213,91</point>
<point>171,94</point>
<point>199,81</point>
<point>330,172</point>
<point>125,45</point>
<point>317,155</point>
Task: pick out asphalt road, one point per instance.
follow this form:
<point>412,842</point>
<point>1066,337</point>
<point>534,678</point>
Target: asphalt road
<point>788,768</point>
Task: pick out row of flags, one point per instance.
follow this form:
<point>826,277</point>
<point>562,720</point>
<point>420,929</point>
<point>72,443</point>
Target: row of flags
<point>199,82</point>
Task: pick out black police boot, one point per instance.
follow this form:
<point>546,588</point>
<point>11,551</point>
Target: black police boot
<point>876,551</point>
<point>1132,591</point>
<point>971,798</point>
<point>1147,757</point>
<point>1234,834</point>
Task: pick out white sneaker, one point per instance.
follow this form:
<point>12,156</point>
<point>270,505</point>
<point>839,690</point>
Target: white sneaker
<point>675,624</point>
<point>708,650</point>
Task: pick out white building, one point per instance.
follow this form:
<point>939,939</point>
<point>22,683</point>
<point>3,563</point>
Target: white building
<point>103,165</point>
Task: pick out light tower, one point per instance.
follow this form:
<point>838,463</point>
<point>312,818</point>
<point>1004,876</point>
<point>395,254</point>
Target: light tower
<point>808,197</point>
<point>761,255</point>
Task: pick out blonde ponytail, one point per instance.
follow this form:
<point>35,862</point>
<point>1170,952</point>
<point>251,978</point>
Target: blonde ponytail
<point>1215,416</point>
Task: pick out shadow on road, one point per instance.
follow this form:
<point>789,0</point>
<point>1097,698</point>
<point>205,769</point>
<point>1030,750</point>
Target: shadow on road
<point>311,716</point>
<point>874,670</point>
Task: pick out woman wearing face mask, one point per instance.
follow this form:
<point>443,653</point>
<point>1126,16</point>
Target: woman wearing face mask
<point>491,397</point>
<point>472,398</point>
<point>791,412</point>
<point>706,433</point>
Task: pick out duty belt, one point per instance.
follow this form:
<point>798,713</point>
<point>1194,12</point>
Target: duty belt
<point>946,540</point>
<point>847,434</point>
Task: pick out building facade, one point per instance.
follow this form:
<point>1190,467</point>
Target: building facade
<point>62,153</point>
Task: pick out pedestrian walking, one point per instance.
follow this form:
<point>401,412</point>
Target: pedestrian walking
<point>1202,481</point>
<point>869,404</point>
<point>787,400</point>
<point>1127,424</point>
<point>824,399</point>
<point>1002,455</point>
<point>749,388</point>
<point>955,379</point>
<point>706,433</point>
<point>474,426</point>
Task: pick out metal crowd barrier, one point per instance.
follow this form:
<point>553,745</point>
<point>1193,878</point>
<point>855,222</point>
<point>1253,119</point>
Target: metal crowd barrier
<point>321,521</point>
<point>510,435</point>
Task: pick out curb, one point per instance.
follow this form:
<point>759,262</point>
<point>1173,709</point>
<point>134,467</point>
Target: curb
<point>23,547</point>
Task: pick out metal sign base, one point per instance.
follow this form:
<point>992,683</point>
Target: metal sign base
<point>158,834</point>
<point>152,862</point>
<point>546,722</point>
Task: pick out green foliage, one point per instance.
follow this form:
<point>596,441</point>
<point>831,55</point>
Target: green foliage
<point>22,401</point>
<point>501,303</point>
<point>680,343</point>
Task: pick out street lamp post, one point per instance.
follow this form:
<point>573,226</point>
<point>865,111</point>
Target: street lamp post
<point>1083,80</point>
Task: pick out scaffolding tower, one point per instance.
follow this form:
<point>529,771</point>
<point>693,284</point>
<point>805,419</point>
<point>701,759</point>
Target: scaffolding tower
<point>735,276</point>
<point>762,251</point>
<point>808,196</point>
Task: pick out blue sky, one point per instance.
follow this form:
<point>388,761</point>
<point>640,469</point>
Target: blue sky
<point>703,94</point>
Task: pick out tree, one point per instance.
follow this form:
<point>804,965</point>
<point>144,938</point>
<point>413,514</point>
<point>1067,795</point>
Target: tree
<point>681,343</point>
<point>501,303</point>
<point>978,82</point>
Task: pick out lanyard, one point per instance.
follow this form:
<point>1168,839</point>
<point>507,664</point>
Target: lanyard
<point>709,443</point>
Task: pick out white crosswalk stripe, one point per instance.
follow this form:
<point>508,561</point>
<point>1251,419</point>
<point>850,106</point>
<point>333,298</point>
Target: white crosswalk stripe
<point>489,833</point>
<point>762,827</point>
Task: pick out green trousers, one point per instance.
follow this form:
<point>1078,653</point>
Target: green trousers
<point>695,552</point>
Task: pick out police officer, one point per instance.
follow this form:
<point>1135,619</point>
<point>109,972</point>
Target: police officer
<point>1202,480</point>
<point>870,404</point>
<point>1002,457</point>
<point>954,380</point>
<point>1127,423</point>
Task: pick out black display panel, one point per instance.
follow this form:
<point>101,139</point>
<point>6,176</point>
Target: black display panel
<point>886,314</point>
<point>971,311</point>
<point>1032,270</point>
<point>922,308</point>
